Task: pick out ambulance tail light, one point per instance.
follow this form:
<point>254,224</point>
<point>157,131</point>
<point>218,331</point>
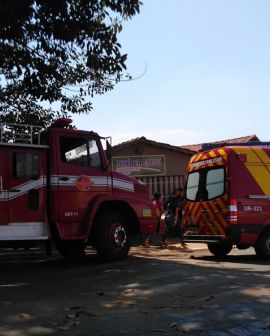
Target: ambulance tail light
<point>232,211</point>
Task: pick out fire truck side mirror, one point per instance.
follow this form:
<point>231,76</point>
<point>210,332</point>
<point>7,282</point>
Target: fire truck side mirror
<point>108,152</point>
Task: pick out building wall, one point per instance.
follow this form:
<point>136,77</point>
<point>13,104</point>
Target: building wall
<point>176,162</point>
<point>175,166</point>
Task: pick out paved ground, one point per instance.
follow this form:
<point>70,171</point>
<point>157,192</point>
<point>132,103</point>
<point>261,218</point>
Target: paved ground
<point>229,297</point>
<point>153,292</point>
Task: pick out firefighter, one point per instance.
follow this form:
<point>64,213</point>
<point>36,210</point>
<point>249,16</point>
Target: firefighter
<point>173,218</point>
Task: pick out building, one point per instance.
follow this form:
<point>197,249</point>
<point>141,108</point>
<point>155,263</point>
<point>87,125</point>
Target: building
<point>161,166</point>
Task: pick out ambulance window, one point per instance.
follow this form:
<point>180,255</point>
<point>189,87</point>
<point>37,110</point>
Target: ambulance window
<point>205,184</point>
<point>26,166</point>
<point>192,186</point>
<point>215,182</point>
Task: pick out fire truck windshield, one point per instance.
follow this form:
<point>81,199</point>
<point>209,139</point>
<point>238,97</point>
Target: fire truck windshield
<point>205,184</point>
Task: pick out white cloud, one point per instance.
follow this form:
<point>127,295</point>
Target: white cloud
<point>180,137</point>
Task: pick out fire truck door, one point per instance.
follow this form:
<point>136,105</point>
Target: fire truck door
<point>26,190</point>
<point>80,178</point>
<point>3,191</point>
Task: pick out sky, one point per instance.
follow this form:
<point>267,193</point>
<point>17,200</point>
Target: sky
<point>204,74</point>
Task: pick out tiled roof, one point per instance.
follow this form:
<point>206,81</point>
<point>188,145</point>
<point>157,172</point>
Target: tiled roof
<point>143,140</point>
<point>239,140</point>
<point>188,149</point>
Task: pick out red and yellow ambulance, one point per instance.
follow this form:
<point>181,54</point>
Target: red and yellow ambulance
<point>228,198</point>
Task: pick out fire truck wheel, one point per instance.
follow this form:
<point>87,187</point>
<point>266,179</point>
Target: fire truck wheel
<point>71,249</point>
<point>262,247</point>
<point>112,239</point>
<point>220,250</point>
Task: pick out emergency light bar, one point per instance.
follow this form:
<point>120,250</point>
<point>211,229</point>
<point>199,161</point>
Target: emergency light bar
<point>62,122</point>
<point>212,145</point>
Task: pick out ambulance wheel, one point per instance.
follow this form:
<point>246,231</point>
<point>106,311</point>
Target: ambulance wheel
<point>220,250</point>
<point>71,250</point>
<point>262,247</point>
<point>112,237</point>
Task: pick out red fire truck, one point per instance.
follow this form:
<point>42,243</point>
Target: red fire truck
<point>58,187</point>
<point>228,198</point>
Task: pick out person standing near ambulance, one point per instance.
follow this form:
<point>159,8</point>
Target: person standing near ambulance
<point>159,210</point>
<point>173,218</point>
<point>178,215</point>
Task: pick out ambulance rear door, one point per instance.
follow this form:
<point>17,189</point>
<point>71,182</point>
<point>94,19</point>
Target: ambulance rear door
<point>205,210</point>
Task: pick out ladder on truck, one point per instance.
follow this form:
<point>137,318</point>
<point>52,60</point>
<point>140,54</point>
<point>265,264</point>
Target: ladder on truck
<point>22,134</point>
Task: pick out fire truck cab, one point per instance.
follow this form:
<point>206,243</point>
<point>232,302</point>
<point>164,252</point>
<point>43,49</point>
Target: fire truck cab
<point>228,198</point>
<point>57,186</point>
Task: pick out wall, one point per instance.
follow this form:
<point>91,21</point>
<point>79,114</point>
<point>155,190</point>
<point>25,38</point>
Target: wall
<point>175,166</point>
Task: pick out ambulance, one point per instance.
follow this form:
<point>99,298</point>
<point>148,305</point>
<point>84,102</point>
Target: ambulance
<point>227,191</point>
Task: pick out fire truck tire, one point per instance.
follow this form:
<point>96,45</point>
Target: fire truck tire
<point>262,247</point>
<point>112,238</point>
<point>220,250</point>
<point>71,249</point>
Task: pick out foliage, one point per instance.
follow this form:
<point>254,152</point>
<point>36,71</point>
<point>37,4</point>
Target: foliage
<point>56,54</point>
